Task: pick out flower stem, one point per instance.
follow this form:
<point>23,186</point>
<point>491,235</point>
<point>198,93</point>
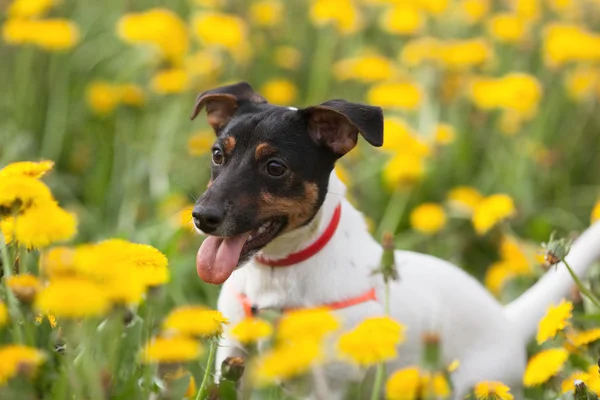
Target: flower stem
<point>380,373</point>
<point>211,359</point>
<point>582,288</point>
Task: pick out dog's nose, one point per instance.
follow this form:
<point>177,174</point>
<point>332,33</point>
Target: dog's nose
<point>207,219</point>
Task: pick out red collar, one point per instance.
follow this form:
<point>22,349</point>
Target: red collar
<point>250,310</point>
<point>311,250</point>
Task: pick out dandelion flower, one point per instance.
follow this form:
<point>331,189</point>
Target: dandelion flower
<point>17,359</point>
<point>51,320</point>
<point>400,95</point>
<point>59,297</point>
<point>374,340</point>
<point>460,55</point>
<point>40,226</point>
<point>220,29</point>
<point>102,97</point>
<point>342,14</point>
<point>18,193</point>
<point>428,218</point>
<point>507,27</point>
<point>174,349</point>
<point>595,213</point>
<point>58,262</point>
<point>444,134</point>
<point>464,198</point>
<point>591,378</point>
<point>3,314</point>
<point>168,81</point>
<point>367,68</point>
<point>420,51</point>
<point>195,321</point>
<point>401,138</point>
<point>251,330</point>
<point>489,390</point>
<point>403,384</point>
<point>279,91</point>
<point>434,385</point>
<point>473,11</point>
<point>287,57</point>
<point>497,275</point>
<point>310,323</point>
<point>131,95</point>
<point>158,27</point>
<point>29,8</point>
<point>582,338</point>
<point>556,319</point>
<point>286,361</point>
<point>403,169</point>
<point>48,34</point>
<point>544,365</point>
<point>24,286</point>
<point>491,211</point>
<point>403,19</point>
<point>266,12</point>
<point>201,142</point>
<point>27,168</point>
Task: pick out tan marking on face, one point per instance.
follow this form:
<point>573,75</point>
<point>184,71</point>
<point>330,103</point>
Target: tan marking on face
<point>210,182</point>
<point>229,145</point>
<point>263,150</point>
<point>298,210</point>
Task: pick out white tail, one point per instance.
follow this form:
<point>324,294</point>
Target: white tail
<point>526,311</point>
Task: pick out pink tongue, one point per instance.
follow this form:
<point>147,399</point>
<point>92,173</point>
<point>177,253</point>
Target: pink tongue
<point>218,257</point>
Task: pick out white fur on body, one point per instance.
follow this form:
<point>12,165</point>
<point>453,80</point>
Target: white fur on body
<point>432,296</point>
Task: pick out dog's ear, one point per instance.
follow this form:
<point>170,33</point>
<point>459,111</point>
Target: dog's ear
<point>337,123</point>
<point>222,102</point>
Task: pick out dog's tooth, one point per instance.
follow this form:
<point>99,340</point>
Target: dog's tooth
<point>261,229</point>
<point>249,237</point>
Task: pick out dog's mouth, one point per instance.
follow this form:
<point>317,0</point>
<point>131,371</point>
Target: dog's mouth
<point>218,257</point>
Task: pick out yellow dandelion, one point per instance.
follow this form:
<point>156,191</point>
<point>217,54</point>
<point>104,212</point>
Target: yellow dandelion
<point>58,262</point>
<point>434,385</point>
<point>201,142</point>
<point>19,359</point>
<point>55,34</point>
<point>157,27</point>
<point>195,321</point>
<point>206,63</point>
<point>251,330</point>
<point>428,218</point>
<point>27,229</point>
<point>184,218</point>
<point>18,193</point>
<point>308,323</point>
<point>220,29</point>
<point>401,138</point>
<point>342,14</point>
<point>507,27</point>
<point>529,10</point>
<point>51,320</point>
<point>444,134</point>
<point>595,216</point>
<point>175,80</point>
<point>473,11</point>
<point>131,95</point>
<point>497,275</point>
<point>464,198</point>
<point>29,8</point>
<point>279,91</point>
<point>286,361</point>
<point>27,168</point>
<point>491,211</point>
<point>402,19</point>
<point>454,365</point>
<point>3,314</point>
<point>490,390</point>
<point>511,252</point>
<point>556,319</point>
<point>403,384</point>
<point>367,68</point>
<point>374,340</point>
<point>420,51</point>
<point>582,338</point>
<point>568,384</point>
<point>287,57</point>
<point>266,12</point>
<point>465,54</point>
<point>102,97</point>
<point>24,286</point>
<point>403,169</point>
<point>564,43</point>
<point>58,299</point>
<point>175,349</point>
<point>544,365</point>
<point>401,95</point>
<point>581,82</point>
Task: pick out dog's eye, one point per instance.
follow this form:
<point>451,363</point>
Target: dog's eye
<point>217,156</point>
<point>275,168</point>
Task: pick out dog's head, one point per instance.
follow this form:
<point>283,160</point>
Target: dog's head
<point>270,169</point>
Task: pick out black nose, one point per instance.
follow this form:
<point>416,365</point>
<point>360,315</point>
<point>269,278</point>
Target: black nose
<point>207,219</point>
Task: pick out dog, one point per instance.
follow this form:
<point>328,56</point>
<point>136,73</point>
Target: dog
<point>275,207</point>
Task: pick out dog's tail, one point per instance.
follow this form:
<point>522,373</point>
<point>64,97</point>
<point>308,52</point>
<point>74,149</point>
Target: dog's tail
<point>526,311</point>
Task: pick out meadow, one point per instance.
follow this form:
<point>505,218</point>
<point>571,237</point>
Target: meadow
<point>492,135</point>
